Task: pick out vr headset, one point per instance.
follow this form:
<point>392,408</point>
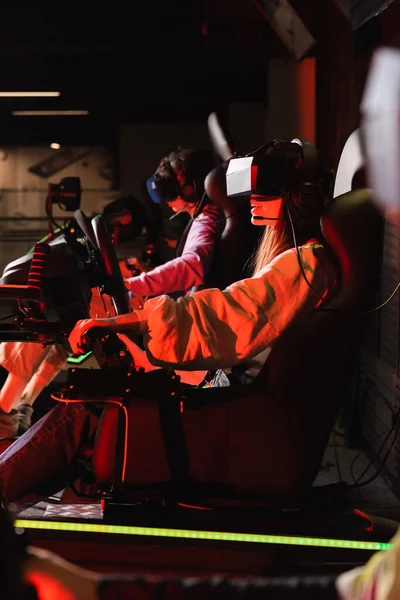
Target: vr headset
<point>272,170</point>
<point>162,190</point>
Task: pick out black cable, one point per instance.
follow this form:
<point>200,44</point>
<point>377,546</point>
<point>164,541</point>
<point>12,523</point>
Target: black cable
<point>199,206</point>
<point>379,470</point>
<point>334,308</point>
<point>363,398</point>
<point>383,462</point>
<point>336,454</point>
<point>372,310</point>
<point>299,258</point>
<point>371,462</point>
<point>367,468</point>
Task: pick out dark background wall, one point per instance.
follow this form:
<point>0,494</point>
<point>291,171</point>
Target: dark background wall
<point>343,57</point>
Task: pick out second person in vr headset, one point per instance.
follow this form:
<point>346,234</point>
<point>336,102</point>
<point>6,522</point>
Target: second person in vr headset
<point>179,183</point>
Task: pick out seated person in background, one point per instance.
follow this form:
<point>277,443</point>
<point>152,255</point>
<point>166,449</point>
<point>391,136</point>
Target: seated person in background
<point>130,221</point>
<point>179,182</point>
<point>181,176</point>
<point>211,329</point>
<point>31,368</point>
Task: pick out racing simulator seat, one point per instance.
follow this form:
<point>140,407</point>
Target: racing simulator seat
<point>232,259</point>
<point>264,440</point>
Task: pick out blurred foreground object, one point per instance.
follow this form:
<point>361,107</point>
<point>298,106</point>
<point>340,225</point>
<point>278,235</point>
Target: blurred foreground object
<point>380,108</point>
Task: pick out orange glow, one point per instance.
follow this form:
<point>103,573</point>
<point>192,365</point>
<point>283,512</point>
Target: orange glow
<point>48,586</point>
<point>305,84</point>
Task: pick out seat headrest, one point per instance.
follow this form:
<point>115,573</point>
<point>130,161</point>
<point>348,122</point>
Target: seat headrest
<point>215,187</point>
<point>351,161</point>
<point>353,228</point>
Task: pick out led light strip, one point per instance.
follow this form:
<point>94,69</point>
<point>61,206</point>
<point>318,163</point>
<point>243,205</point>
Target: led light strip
<point>220,536</point>
<point>77,360</point>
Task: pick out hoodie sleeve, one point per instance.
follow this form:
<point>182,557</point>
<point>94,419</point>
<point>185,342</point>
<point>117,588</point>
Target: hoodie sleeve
<point>187,270</point>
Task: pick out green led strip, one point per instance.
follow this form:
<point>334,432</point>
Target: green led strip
<point>77,360</point>
<point>221,536</point>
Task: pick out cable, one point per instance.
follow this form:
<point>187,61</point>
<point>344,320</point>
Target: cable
<point>299,257</point>
<point>371,462</point>
<point>370,386</point>
<point>379,470</point>
<point>103,303</point>
<point>365,312</point>
<point>199,206</point>
<point>394,430</point>
<point>334,308</point>
<point>336,454</point>
<point>367,468</point>
<point>192,506</point>
<point>356,484</point>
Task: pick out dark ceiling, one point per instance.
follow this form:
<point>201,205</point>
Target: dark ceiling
<point>149,60</point>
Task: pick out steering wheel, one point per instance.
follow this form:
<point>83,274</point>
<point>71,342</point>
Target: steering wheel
<point>115,287</point>
<point>86,227</point>
<point>221,138</point>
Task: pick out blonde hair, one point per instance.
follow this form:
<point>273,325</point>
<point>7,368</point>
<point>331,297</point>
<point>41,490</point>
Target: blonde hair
<point>274,241</point>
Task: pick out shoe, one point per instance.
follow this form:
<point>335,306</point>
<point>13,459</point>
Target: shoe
<point>9,423</point>
<point>24,412</point>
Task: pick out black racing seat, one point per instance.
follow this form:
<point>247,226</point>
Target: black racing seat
<point>237,237</point>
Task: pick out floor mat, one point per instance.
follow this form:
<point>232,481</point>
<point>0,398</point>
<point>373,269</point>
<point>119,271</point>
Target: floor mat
<point>73,511</point>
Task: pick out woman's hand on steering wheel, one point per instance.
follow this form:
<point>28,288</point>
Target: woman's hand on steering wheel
<point>77,338</point>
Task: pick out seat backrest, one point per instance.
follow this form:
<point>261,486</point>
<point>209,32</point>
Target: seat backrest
<point>351,162</point>
<point>238,238</point>
<point>310,365</point>
<point>276,433</point>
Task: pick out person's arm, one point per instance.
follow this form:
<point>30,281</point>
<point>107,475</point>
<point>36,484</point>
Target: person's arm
<point>187,270</point>
<point>216,329</point>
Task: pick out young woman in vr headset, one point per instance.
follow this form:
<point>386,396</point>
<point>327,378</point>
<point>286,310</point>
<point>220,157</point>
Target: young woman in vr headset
<point>212,330</point>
